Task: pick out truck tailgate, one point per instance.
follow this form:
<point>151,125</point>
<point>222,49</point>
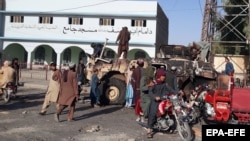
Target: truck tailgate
<point>241,100</point>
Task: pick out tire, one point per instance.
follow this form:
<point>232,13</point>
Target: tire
<point>113,92</point>
<point>187,134</point>
<point>6,96</point>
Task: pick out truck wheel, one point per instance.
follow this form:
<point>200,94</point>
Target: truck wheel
<point>114,91</point>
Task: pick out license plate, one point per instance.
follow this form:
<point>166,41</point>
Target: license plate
<point>222,105</point>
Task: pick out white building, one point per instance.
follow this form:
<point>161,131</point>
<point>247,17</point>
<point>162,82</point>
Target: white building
<point>62,30</point>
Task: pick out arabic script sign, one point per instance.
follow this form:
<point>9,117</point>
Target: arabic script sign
<point>134,31</point>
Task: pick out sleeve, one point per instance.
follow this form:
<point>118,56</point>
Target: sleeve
<point>56,76</point>
<point>75,87</point>
<point>143,85</point>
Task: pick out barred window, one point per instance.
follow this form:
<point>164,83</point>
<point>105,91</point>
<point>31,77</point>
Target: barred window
<point>16,19</point>
<point>46,20</point>
<point>107,22</point>
<point>76,20</point>
<point>139,23</point>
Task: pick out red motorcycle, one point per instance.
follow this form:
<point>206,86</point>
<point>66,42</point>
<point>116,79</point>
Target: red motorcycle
<point>172,113</point>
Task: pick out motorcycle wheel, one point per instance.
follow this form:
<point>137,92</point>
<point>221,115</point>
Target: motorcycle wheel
<point>6,96</point>
<point>184,131</point>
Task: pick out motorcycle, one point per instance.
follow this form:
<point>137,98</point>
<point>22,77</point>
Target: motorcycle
<point>171,115</point>
<point>8,91</point>
<point>198,104</point>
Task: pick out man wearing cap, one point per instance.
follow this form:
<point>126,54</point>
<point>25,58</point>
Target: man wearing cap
<point>69,92</point>
<point>171,79</point>
<point>159,90</point>
<point>53,88</point>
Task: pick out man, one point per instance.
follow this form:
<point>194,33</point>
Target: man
<point>81,72</point>
<point>53,88</point>
<point>16,67</point>
<point>123,38</point>
<point>159,90</point>
<point>97,49</point>
<point>136,78</point>
<point>69,93</point>
<point>8,74</point>
<point>171,79</point>
<point>229,68</point>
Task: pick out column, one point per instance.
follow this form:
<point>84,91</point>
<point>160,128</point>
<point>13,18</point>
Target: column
<point>29,61</point>
<point>58,60</point>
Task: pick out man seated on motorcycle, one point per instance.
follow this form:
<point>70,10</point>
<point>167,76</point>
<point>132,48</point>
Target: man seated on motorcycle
<point>160,89</point>
<point>8,75</point>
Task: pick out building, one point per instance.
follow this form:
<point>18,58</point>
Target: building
<point>38,31</point>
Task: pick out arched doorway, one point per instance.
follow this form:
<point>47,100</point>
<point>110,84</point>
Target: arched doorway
<point>43,54</point>
<point>20,53</point>
<point>72,54</point>
<point>109,53</point>
<point>83,57</point>
<point>39,57</point>
<point>137,53</point>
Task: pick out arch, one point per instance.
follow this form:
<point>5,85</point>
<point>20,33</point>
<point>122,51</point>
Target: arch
<point>73,54</point>
<point>109,53</point>
<point>43,54</point>
<point>137,53</point>
<point>20,52</point>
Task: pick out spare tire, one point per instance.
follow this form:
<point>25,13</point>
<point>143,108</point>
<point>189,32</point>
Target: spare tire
<point>113,92</point>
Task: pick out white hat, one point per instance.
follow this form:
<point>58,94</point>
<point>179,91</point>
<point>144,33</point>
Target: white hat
<point>72,65</point>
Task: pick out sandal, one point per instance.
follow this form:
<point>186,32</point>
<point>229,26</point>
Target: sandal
<point>149,135</point>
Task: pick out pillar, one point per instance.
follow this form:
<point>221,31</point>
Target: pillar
<point>29,61</point>
<point>58,60</point>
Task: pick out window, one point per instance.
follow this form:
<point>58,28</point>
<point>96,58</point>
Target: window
<point>76,20</point>
<point>140,23</point>
<point>108,22</point>
<point>16,19</point>
<point>46,20</point>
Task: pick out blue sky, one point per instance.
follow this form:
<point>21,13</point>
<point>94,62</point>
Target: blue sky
<point>185,20</point>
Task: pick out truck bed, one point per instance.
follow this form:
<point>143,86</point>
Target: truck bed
<point>241,100</point>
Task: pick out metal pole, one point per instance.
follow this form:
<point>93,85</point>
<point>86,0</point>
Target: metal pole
<point>248,40</point>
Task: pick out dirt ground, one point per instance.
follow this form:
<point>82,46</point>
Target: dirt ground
<point>19,121</point>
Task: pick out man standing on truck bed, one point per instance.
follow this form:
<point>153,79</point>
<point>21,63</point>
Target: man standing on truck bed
<point>123,38</point>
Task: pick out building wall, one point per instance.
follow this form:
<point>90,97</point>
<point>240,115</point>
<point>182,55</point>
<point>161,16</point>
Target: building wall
<point>162,31</point>
<point>61,35</point>
<point>240,63</point>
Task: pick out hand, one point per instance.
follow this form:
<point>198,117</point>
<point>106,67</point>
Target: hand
<point>151,84</point>
<point>157,98</point>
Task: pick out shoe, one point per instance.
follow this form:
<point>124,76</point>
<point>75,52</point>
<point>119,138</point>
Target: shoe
<point>56,117</point>
<point>42,113</point>
<point>96,106</point>
<point>149,135</point>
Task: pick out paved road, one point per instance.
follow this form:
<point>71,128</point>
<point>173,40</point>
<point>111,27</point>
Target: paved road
<point>19,121</point>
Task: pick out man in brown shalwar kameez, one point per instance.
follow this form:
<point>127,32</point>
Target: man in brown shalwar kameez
<point>123,38</point>
<point>136,78</point>
<point>69,92</point>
